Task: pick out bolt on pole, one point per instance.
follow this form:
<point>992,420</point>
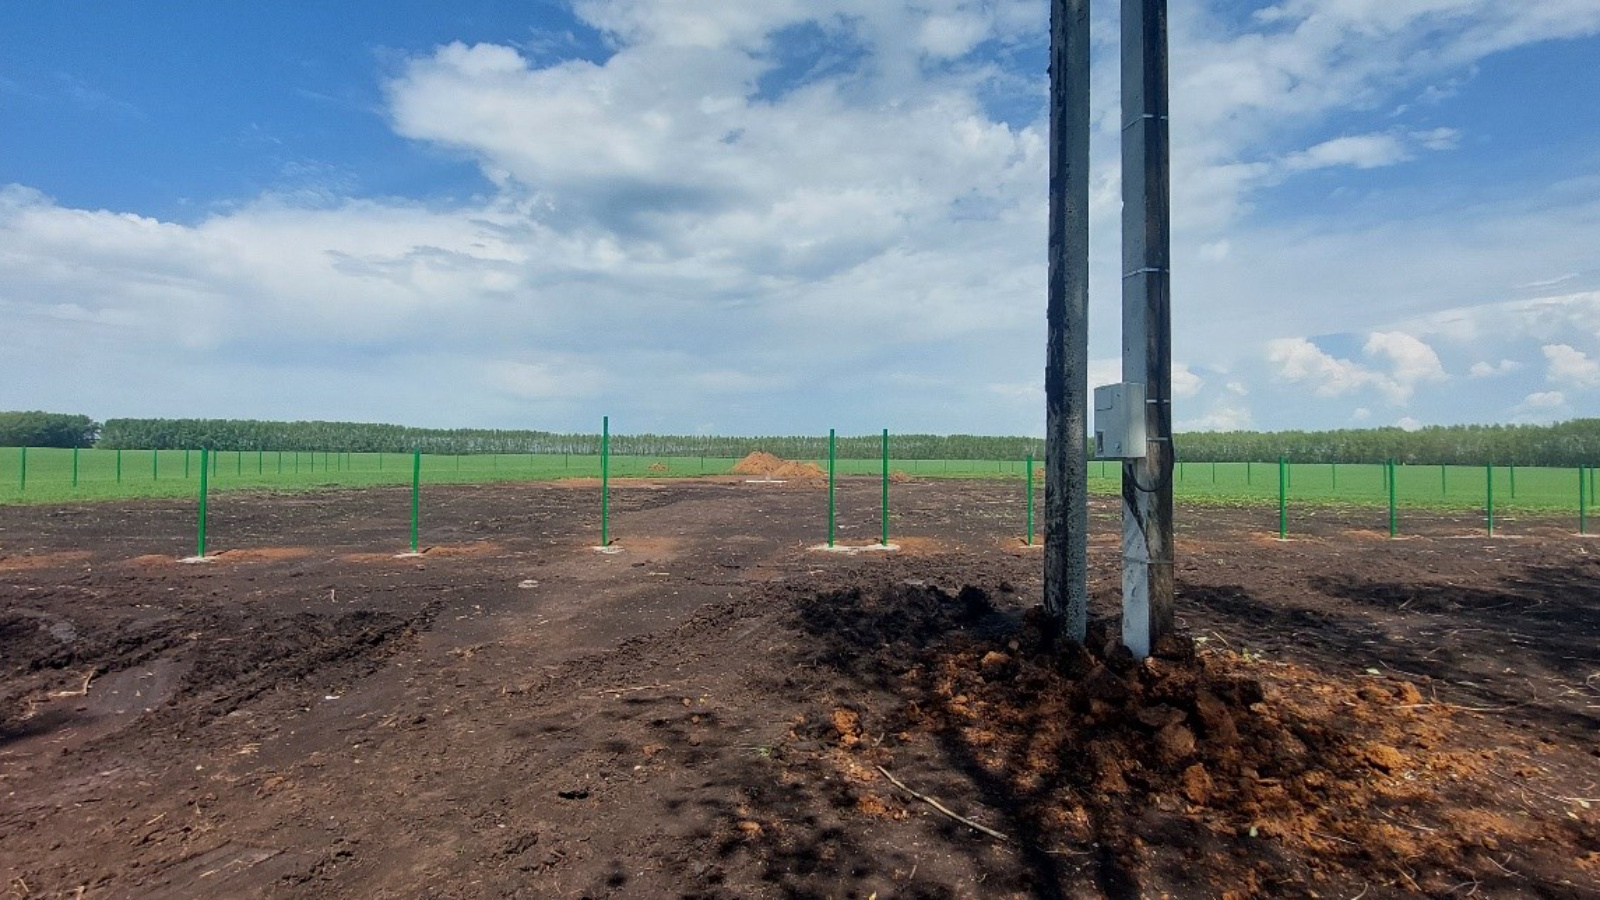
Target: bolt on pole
<point>1066,376</point>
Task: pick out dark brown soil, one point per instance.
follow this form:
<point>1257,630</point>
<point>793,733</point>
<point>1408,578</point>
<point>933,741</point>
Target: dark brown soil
<point>722,709</point>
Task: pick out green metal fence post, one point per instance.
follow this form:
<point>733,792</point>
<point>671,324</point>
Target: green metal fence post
<point>119,465</point>
<point>260,460</point>
<point>1513,471</point>
<point>886,487</point>
<point>22,483</point>
<point>1030,499</point>
<point>74,466</point>
<point>1488,496</point>
<point>1393,522</point>
<point>416,491</point>
<point>1333,470</point>
<point>831,455</point>
<point>1583,505</point>
<point>280,462</point>
<point>200,530</point>
<point>1283,498</point>
<point>155,465</point>
<point>605,481</point>
<point>186,463</point>
<point>1444,488</point>
<point>1249,473</point>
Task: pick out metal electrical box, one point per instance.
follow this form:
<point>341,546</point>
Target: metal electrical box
<point>1119,421</point>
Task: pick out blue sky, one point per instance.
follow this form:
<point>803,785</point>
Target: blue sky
<point>781,216</point>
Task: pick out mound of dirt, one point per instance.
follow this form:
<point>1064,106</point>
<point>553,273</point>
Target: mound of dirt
<point>1208,750</point>
<point>764,464</point>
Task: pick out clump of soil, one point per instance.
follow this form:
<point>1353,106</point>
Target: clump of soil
<point>767,465</point>
<point>1269,767</point>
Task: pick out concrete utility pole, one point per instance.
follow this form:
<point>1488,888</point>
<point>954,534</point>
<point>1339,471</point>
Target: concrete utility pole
<point>1066,377</point>
<point>1147,587</point>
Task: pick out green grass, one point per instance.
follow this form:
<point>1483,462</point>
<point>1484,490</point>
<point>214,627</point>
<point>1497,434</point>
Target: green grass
<point>129,474</point>
<point>49,477</point>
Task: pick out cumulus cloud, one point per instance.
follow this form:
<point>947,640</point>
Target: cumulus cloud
<point>1410,362</point>
<point>1300,360</point>
<point>1567,365</point>
<point>1223,416</point>
<point>1490,370</point>
<point>1540,407</point>
<point>1185,383</point>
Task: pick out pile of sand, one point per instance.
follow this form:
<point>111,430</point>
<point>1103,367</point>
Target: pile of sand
<point>764,464</point>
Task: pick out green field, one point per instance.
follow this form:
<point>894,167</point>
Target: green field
<point>58,475</point>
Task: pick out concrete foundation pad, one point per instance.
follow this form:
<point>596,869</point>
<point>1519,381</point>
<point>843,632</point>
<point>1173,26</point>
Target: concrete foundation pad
<point>853,550</point>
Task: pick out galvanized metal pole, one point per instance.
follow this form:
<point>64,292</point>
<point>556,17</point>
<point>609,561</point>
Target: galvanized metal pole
<point>1066,374</point>
<point>1147,586</point>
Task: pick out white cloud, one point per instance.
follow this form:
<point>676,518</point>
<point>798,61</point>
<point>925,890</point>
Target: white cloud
<point>1300,360</point>
<point>1544,400</point>
<point>1438,138</point>
<point>1567,365</point>
<point>1407,423</point>
<point>1224,416</point>
<point>1540,407</point>
<point>1412,359</point>
<point>1410,362</point>
<point>1185,383</point>
<point>1490,370</point>
<point>1367,151</point>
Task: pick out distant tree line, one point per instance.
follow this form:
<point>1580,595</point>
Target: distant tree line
<point>252,434</point>
<point>44,429</point>
<point>1571,443</point>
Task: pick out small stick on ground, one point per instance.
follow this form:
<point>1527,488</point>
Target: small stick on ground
<point>944,809</point>
<point>80,692</point>
<point>632,690</point>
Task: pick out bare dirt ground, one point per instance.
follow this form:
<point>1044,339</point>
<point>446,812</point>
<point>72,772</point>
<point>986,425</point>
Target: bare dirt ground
<point>720,710</point>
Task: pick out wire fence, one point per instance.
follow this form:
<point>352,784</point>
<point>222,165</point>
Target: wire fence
<point>56,475</point>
